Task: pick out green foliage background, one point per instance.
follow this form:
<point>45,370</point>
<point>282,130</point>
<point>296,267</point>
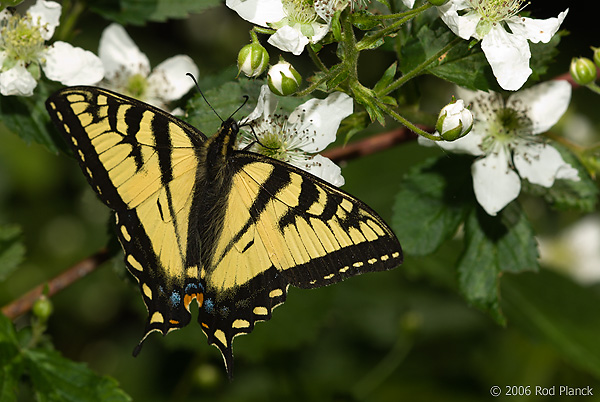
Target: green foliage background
<point>418,333</point>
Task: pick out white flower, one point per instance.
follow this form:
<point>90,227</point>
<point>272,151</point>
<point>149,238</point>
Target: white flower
<point>308,130</point>
<point>504,135</point>
<point>296,21</point>
<point>23,52</point>
<point>575,251</point>
<point>507,51</point>
<point>128,70</point>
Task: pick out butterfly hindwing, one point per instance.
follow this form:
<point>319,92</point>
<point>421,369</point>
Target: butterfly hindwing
<point>201,221</point>
<point>285,227</point>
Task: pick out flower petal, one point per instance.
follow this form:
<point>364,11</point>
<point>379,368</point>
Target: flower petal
<point>120,55</point>
<point>544,103</point>
<point>463,26</point>
<point>265,106</point>
<point>258,12</point>
<point>409,3</point>
<point>17,81</point>
<point>289,39</point>
<point>169,81</point>
<point>508,56</point>
<point>323,168</point>
<point>72,65</point>
<point>321,117</point>
<point>542,164</point>
<point>494,183</point>
<point>46,14</point>
<point>536,30</point>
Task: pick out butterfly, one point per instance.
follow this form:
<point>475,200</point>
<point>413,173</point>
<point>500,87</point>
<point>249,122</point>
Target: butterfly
<point>201,221</point>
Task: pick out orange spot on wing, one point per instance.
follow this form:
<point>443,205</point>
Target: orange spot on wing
<point>187,299</point>
<point>174,322</point>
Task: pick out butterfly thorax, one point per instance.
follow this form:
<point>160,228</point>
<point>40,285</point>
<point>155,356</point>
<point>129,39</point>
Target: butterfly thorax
<point>213,184</point>
<point>216,151</point>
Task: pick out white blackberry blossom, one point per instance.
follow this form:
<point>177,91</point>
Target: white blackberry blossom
<point>296,139</point>
<point>24,53</point>
<point>296,21</point>
<point>505,137</point>
<point>503,34</point>
<point>128,70</point>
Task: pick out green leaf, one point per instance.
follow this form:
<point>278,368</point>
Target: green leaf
<point>494,245</point>
<point>433,200</point>
<point>462,65</point>
<point>58,379</point>
<point>363,20</point>
<point>386,78</point>
<point>27,118</point>
<point>552,307</point>
<point>11,365</point>
<point>138,12</point>
<point>12,249</point>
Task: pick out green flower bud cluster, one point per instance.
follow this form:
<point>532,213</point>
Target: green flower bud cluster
<point>253,60</point>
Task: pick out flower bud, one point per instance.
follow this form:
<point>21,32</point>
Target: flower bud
<point>283,79</point>
<point>253,59</point>
<point>454,121</point>
<point>582,70</point>
<point>596,55</point>
<point>42,308</point>
<point>438,2</point>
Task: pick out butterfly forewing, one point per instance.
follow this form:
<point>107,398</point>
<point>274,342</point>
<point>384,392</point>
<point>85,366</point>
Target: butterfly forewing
<point>142,163</point>
<point>200,221</point>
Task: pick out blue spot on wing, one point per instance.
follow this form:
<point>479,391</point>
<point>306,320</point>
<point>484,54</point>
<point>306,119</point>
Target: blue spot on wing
<point>209,306</point>
<point>175,298</point>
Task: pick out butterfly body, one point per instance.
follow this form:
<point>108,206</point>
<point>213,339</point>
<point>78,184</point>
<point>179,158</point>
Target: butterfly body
<point>200,220</point>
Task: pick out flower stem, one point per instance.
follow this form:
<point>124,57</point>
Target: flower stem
<point>261,30</point>
<point>399,118</point>
<point>593,87</point>
<point>401,15</point>
<point>66,27</point>
<point>418,69</point>
<point>315,58</point>
<point>367,42</point>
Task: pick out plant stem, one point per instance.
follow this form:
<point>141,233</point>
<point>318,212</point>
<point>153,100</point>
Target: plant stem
<point>593,87</point>
<point>399,118</point>
<point>369,40</point>
<point>315,58</point>
<point>418,69</point>
<point>401,15</point>
<point>262,30</point>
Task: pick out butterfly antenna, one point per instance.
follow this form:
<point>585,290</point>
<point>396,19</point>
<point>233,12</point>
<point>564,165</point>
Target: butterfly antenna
<point>204,97</point>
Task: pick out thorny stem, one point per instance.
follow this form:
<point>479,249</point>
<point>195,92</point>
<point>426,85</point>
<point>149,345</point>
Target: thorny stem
<point>399,118</point>
<point>367,41</point>
<point>400,15</point>
<point>315,58</point>
<point>418,69</point>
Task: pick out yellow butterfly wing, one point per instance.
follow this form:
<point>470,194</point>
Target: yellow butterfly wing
<point>199,220</point>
